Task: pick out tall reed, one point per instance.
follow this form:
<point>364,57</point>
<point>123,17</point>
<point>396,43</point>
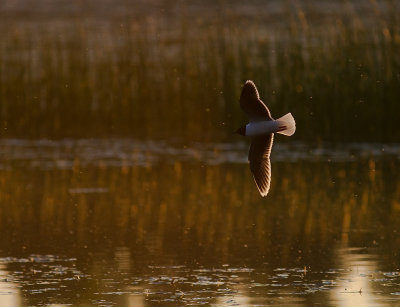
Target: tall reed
<point>145,79</point>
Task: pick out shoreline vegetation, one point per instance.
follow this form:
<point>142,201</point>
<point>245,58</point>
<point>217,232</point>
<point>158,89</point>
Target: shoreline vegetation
<point>178,73</point>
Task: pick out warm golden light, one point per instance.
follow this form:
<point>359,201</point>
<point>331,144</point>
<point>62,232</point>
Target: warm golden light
<point>10,295</point>
<point>354,288</point>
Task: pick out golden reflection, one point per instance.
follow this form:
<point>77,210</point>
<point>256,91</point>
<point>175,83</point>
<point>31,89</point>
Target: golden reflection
<point>354,286</point>
<point>136,300</point>
<point>211,205</point>
<point>123,259</point>
<point>192,214</point>
<point>234,300</point>
<point>9,292</point>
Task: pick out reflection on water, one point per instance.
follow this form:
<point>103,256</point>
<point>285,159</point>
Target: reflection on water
<point>126,223</point>
<point>127,152</point>
<point>355,286</point>
<point>9,294</point>
<point>358,282</point>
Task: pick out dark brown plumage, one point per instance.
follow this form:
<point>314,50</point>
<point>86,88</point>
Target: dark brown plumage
<point>260,163</point>
<point>260,148</point>
<point>251,103</point>
<point>261,128</point>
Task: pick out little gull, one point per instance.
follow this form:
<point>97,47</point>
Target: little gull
<point>261,129</point>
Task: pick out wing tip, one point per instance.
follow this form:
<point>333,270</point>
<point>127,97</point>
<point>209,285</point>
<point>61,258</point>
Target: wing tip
<point>263,190</point>
<point>249,91</point>
<point>250,83</point>
<point>263,193</point>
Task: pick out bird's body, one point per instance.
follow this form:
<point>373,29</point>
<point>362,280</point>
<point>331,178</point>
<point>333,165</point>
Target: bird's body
<point>261,128</point>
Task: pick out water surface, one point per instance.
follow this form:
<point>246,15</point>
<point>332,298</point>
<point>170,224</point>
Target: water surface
<point>146,223</point>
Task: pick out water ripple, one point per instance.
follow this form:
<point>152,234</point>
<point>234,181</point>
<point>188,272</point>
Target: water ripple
<point>65,154</point>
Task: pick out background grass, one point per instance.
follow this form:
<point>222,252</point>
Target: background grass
<point>164,71</point>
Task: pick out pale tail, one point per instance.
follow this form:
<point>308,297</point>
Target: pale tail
<point>288,121</point>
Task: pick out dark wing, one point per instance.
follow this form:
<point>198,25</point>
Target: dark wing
<point>260,165</point>
<point>251,104</point>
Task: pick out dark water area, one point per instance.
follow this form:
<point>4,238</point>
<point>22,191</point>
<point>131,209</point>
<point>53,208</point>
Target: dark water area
<point>121,222</point>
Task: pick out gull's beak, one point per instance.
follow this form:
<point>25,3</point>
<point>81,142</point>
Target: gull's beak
<point>241,131</point>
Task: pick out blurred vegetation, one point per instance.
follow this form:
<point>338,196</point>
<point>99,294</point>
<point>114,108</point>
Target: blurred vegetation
<point>181,77</point>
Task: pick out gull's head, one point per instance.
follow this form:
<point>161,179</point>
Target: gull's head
<point>241,131</point>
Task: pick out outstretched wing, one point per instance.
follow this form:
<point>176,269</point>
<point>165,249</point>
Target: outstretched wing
<point>260,165</point>
<point>251,103</point>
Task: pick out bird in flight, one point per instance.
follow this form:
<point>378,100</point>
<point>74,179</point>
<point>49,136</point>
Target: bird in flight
<point>261,129</point>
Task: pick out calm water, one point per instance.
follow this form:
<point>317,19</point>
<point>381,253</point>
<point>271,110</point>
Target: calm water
<point>130,223</point>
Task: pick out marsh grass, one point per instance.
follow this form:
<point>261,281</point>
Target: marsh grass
<point>148,79</point>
